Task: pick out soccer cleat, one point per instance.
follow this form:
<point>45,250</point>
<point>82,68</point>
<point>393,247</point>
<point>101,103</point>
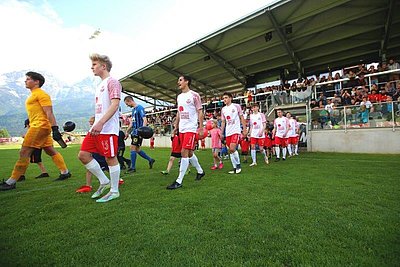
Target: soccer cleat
<point>110,196</point>
<point>266,161</point>
<point>151,162</point>
<point>21,178</point>
<point>121,181</point>
<point>43,175</point>
<point>283,158</point>
<point>296,154</point>
<point>4,186</point>
<point>233,171</point>
<point>277,159</point>
<point>220,166</point>
<point>174,185</point>
<point>199,176</point>
<point>130,170</point>
<point>165,172</point>
<point>84,189</point>
<point>214,167</point>
<point>100,190</point>
<point>63,177</point>
<point>253,164</point>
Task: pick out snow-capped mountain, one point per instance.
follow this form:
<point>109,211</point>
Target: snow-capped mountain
<point>70,102</point>
<point>13,93</point>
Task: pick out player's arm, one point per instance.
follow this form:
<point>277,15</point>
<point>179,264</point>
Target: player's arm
<point>223,123</point>
<point>54,127</point>
<point>264,125</point>
<point>143,115</point>
<point>98,125</point>
<point>287,128</point>
<point>201,120</point>
<point>50,115</point>
<point>176,123</point>
<point>274,131</point>
<point>244,124</point>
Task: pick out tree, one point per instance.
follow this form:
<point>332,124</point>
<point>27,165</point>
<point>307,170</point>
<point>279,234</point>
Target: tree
<point>4,133</point>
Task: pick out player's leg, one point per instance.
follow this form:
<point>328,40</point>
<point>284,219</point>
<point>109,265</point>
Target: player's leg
<point>188,142</point>
<point>277,148</point>
<point>85,156</point>
<point>58,160</point>
<point>109,148</point>
<point>194,161</point>
<point>142,153</point>
<point>19,169</point>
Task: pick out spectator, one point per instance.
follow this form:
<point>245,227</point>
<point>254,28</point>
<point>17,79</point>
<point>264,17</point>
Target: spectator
<point>393,65</point>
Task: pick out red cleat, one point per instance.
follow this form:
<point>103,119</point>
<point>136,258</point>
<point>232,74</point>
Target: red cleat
<point>84,189</point>
<point>121,181</point>
<point>214,167</point>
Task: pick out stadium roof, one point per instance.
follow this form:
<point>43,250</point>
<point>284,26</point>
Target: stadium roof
<point>291,37</point>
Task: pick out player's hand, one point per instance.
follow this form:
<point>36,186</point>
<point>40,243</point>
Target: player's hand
<point>56,133</point>
<point>201,133</point>
<point>96,129</point>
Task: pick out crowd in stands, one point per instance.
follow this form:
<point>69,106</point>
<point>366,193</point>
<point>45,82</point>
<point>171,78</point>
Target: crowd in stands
<point>324,93</point>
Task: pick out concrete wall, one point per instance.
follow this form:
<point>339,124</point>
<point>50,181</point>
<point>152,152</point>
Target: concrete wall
<point>376,140</point>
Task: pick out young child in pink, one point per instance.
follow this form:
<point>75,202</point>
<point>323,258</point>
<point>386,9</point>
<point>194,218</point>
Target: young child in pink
<point>216,137</point>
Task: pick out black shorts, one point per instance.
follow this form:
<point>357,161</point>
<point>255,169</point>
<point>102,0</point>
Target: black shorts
<point>176,155</point>
<point>36,156</point>
<point>136,140</point>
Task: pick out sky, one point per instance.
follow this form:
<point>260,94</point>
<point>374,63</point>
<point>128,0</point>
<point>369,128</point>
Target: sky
<point>54,35</point>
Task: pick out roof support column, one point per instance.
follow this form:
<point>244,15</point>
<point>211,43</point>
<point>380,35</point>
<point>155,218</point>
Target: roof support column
<point>286,44</point>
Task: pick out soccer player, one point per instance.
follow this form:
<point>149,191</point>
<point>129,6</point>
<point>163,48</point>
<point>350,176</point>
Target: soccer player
<point>121,151</point>
<point>138,120</point>
<point>257,133</point>
<point>102,137</point>
<point>42,123</point>
<point>216,145</point>
<point>36,157</point>
<point>293,135</point>
<point>190,115</point>
<point>281,128</point>
<point>244,147</point>
<point>232,116</point>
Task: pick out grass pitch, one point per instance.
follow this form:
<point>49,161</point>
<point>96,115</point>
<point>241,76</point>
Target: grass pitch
<point>319,209</point>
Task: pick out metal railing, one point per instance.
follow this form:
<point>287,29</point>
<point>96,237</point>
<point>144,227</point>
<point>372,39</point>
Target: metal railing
<point>377,115</point>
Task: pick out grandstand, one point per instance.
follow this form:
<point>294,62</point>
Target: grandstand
<point>284,55</point>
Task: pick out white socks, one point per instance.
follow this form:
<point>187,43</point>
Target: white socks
<point>195,163</point>
<point>95,169</point>
<point>289,148</point>
<point>253,156</point>
<point>114,175</point>
<point>182,169</point>
<point>277,151</point>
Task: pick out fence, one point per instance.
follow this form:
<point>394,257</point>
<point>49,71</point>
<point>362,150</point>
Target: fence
<point>375,115</point>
